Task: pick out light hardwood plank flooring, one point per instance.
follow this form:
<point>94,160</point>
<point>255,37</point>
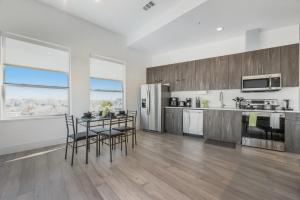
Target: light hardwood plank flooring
<point>161,167</point>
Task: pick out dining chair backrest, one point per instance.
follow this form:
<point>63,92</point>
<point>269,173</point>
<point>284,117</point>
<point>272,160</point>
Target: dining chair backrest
<point>132,113</point>
<point>70,124</point>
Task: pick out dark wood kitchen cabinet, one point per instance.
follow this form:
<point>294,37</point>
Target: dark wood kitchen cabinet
<point>218,78</point>
<point>177,77</point>
<point>290,65</point>
<point>292,132</point>
<point>222,125</point>
<point>154,75</point>
<point>264,61</point>
<point>231,126</point>
<point>202,74</point>
<point>187,76</point>
<point>165,74</point>
<point>150,75</point>
<point>235,71</point>
<point>225,72</point>
<point>184,76</point>
<point>212,124</point>
<point>174,120</point>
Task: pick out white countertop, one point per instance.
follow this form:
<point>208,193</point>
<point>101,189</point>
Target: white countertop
<point>237,109</point>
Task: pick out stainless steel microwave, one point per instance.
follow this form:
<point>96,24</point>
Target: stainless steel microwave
<point>268,82</point>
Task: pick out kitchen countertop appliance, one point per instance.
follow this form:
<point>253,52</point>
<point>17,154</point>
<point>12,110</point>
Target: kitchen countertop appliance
<point>173,101</point>
<point>154,97</point>
<point>188,102</point>
<point>263,130</point>
<point>260,83</point>
<point>259,104</point>
<point>193,122</point>
<point>182,103</point>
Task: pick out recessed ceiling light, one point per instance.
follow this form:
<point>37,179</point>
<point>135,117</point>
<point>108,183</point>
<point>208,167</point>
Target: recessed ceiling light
<point>220,28</point>
<point>97,1</point>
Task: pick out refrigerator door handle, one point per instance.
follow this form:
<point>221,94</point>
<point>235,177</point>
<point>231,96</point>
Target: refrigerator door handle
<point>148,102</point>
<point>189,120</point>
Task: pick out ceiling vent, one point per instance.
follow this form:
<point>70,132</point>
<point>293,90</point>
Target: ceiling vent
<point>148,5</point>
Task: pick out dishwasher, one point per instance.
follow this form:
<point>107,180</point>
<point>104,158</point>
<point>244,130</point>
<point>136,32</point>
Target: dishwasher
<point>193,122</point>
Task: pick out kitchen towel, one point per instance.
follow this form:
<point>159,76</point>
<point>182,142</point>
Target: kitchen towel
<point>252,119</point>
<point>275,121</point>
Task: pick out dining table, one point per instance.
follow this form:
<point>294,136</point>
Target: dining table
<point>116,119</point>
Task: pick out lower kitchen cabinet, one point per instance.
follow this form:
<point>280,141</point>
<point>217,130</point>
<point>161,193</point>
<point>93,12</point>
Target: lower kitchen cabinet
<point>232,126</point>
<point>173,120</point>
<point>212,124</point>
<point>292,132</point>
<point>223,125</point>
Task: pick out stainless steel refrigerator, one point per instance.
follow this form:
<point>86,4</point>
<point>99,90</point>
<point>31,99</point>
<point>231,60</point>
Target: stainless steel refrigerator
<point>154,97</point>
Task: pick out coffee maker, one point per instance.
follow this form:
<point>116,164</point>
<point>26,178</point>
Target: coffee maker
<point>173,101</point>
<point>188,102</point>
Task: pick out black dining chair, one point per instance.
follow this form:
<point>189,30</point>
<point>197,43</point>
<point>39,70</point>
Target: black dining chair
<point>75,136</point>
<point>129,130</point>
<point>109,137</point>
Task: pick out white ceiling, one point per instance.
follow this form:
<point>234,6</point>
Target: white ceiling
<point>174,23</point>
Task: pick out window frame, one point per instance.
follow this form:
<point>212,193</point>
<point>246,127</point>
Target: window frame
<point>109,91</point>
<point>3,85</point>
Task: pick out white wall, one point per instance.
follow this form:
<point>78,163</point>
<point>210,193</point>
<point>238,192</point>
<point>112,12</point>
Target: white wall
<point>265,39</point>
<point>39,21</point>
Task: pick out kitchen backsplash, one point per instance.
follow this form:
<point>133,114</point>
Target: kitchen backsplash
<point>291,93</point>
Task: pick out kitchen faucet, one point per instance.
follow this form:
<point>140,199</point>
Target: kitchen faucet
<point>221,98</point>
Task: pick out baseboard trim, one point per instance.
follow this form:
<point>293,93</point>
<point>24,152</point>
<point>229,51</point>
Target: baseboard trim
<point>31,146</point>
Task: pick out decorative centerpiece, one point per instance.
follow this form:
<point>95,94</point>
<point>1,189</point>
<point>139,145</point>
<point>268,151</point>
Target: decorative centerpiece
<point>106,107</point>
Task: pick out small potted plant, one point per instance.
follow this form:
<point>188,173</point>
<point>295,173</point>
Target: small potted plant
<point>106,107</point>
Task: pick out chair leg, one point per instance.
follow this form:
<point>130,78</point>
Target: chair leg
<point>99,145</point>
<point>73,147</point>
<point>126,138</point>
<point>97,151</point>
<point>132,139</point>
<point>110,153</point>
<point>87,151</point>
<point>67,144</point>
<point>121,140</point>
<point>76,147</point>
<point>135,136</point>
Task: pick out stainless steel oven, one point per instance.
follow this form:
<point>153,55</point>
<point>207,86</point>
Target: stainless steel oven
<point>265,131</point>
<point>268,82</point>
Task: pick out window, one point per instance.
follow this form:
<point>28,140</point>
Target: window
<point>106,84</point>
<point>35,79</point>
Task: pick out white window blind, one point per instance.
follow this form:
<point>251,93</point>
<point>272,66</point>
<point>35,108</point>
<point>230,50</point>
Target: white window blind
<point>101,68</point>
<point>21,53</point>
<point>35,78</point>
<point>106,83</point>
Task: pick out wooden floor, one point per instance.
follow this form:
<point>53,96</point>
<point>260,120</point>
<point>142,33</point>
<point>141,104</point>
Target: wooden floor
<point>161,167</point>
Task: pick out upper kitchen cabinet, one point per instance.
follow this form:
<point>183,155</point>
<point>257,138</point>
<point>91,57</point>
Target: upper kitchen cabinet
<point>290,65</point>
<point>202,74</point>
<point>154,75</point>
<point>150,75</point>
<point>235,71</point>
<point>218,73</point>
<point>264,61</point>
<point>184,76</point>
<point>165,74</point>
<point>177,77</point>
<point>273,61</point>
<point>187,76</point>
